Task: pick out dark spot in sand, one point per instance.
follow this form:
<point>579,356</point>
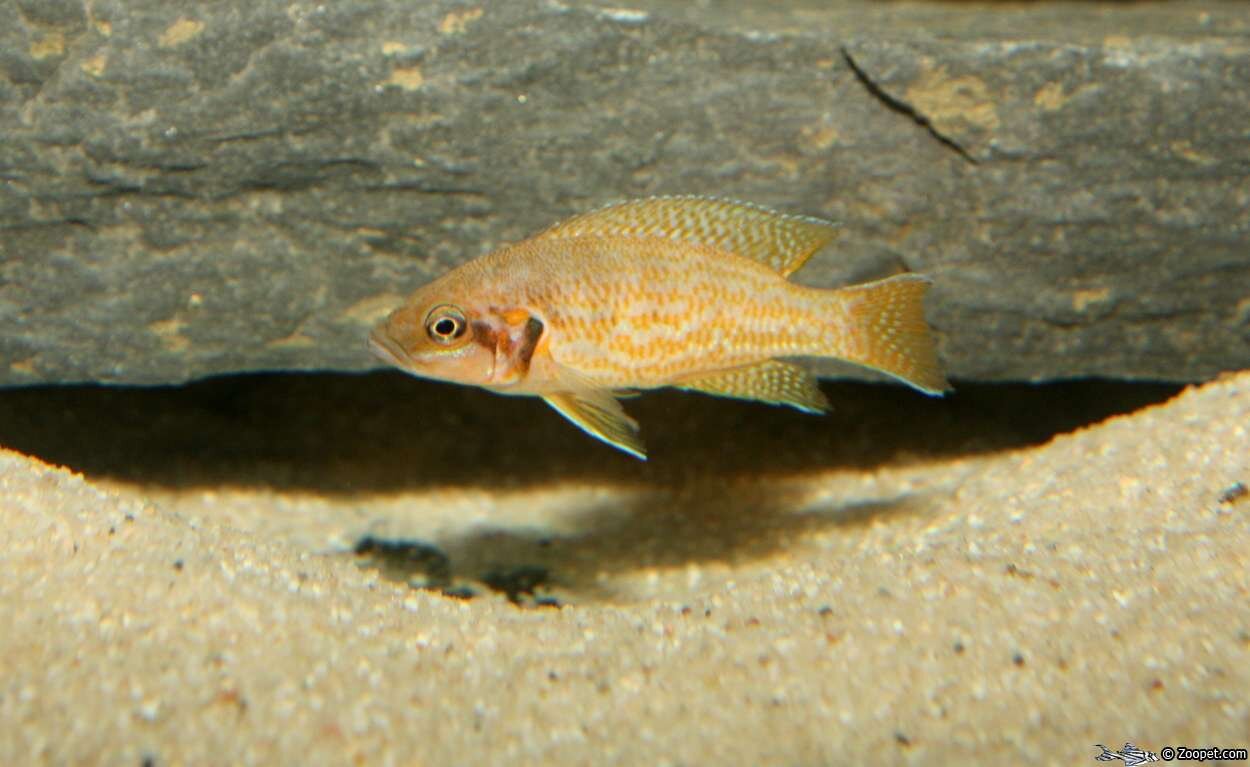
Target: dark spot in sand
<point>518,582</point>
<point>418,564</point>
<point>1011,569</point>
<point>1233,493</point>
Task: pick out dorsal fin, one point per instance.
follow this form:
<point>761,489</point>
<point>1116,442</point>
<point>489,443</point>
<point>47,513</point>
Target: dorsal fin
<point>777,240</point>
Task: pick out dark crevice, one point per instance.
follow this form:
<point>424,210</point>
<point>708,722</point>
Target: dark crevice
<point>421,187</point>
<point>342,434</point>
<point>903,108</point>
<point>227,138</point>
<point>53,224</point>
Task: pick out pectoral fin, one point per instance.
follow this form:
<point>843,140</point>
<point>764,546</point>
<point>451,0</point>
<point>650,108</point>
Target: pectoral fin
<point>772,381</point>
<point>599,414</point>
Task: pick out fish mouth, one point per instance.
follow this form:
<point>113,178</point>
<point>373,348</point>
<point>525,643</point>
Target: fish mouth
<point>385,348</point>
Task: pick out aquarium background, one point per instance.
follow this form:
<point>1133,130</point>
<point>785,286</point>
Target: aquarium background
<point>226,537</point>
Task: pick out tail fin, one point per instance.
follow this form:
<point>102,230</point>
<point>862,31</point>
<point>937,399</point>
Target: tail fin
<point>886,331</point>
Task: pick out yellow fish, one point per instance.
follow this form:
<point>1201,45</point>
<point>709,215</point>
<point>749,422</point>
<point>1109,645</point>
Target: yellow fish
<point>689,292</point>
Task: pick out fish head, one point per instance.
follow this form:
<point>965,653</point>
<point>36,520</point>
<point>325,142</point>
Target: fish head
<point>437,338</point>
<point>450,335</point>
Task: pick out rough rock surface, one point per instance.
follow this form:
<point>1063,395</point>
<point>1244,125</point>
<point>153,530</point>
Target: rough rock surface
<point>191,188</point>
<point>931,605</point>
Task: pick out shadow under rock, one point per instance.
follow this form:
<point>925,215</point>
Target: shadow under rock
<point>718,488</point>
<point>343,434</point>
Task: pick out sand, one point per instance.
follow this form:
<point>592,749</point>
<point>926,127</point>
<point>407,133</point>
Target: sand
<point>792,599</point>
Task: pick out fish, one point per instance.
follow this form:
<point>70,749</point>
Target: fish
<point>685,292</point>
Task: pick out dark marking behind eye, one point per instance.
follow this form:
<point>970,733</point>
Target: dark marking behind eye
<point>484,334</point>
<point>501,342</point>
<point>529,341</point>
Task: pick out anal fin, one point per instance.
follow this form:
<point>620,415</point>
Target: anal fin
<point>599,414</point>
<point>771,381</point>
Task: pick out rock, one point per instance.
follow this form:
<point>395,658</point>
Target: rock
<point>189,189</point>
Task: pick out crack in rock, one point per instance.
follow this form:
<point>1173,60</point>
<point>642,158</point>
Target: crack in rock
<point>902,107</point>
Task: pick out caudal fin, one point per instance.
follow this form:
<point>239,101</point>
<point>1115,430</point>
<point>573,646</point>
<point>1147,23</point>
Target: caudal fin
<point>885,330</point>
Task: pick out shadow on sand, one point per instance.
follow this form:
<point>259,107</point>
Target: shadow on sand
<point>718,523</point>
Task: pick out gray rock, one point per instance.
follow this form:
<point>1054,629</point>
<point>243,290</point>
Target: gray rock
<point>198,188</point>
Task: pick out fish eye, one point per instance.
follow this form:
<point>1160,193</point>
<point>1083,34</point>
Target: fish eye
<point>445,324</point>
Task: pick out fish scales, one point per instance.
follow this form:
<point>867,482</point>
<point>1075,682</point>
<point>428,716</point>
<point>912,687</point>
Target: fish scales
<point>606,300</point>
<point>686,292</point>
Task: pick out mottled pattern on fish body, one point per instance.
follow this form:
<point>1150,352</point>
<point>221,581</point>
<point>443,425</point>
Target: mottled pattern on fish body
<point>647,312</point>
<point>687,292</point>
